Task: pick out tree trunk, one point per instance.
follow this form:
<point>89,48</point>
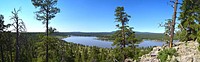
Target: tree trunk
<point>47,34</point>
<point>17,42</point>
<point>2,56</point>
<point>123,36</point>
<point>11,56</point>
<point>173,24</point>
<point>47,53</point>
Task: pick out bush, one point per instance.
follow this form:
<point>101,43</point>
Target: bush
<point>198,39</point>
<point>182,35</point>
<point>162,55</point>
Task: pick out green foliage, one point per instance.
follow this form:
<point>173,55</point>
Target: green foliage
<point>46,12</point>
<point>19,26</point>
<point>124,36</point>
<point>190,19</point>
<point>6,46</point>
<point>32,49</point>
<point>121,16</point>
<point>141,51</point>
<point>138,35</point>
<point>167,25</point>
<point>51,30</point>
<point>47,9</point>
<point>2,26</point>
<point>124,31</point>
<point>182,35</point>
<point>6,41</point>
<point>198,38</point>
<point>162,55</point>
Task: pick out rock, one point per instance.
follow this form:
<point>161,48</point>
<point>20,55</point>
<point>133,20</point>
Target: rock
<point>164,46</point>
<point>178,43</point>
<point>128,60</point>
<point>187,52</point>
<point>173,59</point>
<point>150,59</point>
<point>168,58</point>
<point>152,56</point>
<point>176,48</point>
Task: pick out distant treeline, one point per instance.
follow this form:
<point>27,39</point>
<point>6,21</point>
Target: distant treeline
<point>107,35</point>
<point>153,36</point>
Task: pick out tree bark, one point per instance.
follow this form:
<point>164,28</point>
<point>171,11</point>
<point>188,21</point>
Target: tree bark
<point>2,56</point>
<point>47,34</point>
<point>17,41</point>
<point>173,24</point>
<point>11,59</point>
<point>123,36</point>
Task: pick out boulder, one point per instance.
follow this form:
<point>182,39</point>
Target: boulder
<point>187,52</point>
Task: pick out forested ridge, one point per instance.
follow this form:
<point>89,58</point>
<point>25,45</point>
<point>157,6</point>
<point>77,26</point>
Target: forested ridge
<point>108,35</point>
<point>18,45</point>
<point>32,49</point>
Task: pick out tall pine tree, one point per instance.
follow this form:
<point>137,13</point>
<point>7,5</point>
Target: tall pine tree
<point>47,11</point>
<point>124,37</point>
<point>189,20</point>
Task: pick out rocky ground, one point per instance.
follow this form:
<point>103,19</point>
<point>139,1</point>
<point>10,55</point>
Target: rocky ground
<point>187,52</point>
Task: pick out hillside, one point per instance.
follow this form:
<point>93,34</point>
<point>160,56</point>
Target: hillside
<point>184,52</point>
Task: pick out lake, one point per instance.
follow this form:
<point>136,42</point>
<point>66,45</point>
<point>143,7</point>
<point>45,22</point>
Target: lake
<point>92,41</point>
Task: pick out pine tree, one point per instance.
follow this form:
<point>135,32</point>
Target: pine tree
<point>124,36</point>
<point>47,11</point>
<point>3,36</point>
<point>19,26</point>
<point>167,25</point>
<point>189,20</point>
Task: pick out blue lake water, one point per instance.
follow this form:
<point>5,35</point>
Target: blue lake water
<point>92,41</point>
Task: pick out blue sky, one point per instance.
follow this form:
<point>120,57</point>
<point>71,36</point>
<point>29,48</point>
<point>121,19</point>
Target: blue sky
<point>93,15</point>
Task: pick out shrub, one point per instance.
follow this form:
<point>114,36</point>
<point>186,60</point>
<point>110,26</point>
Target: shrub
<point>162,55</point>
